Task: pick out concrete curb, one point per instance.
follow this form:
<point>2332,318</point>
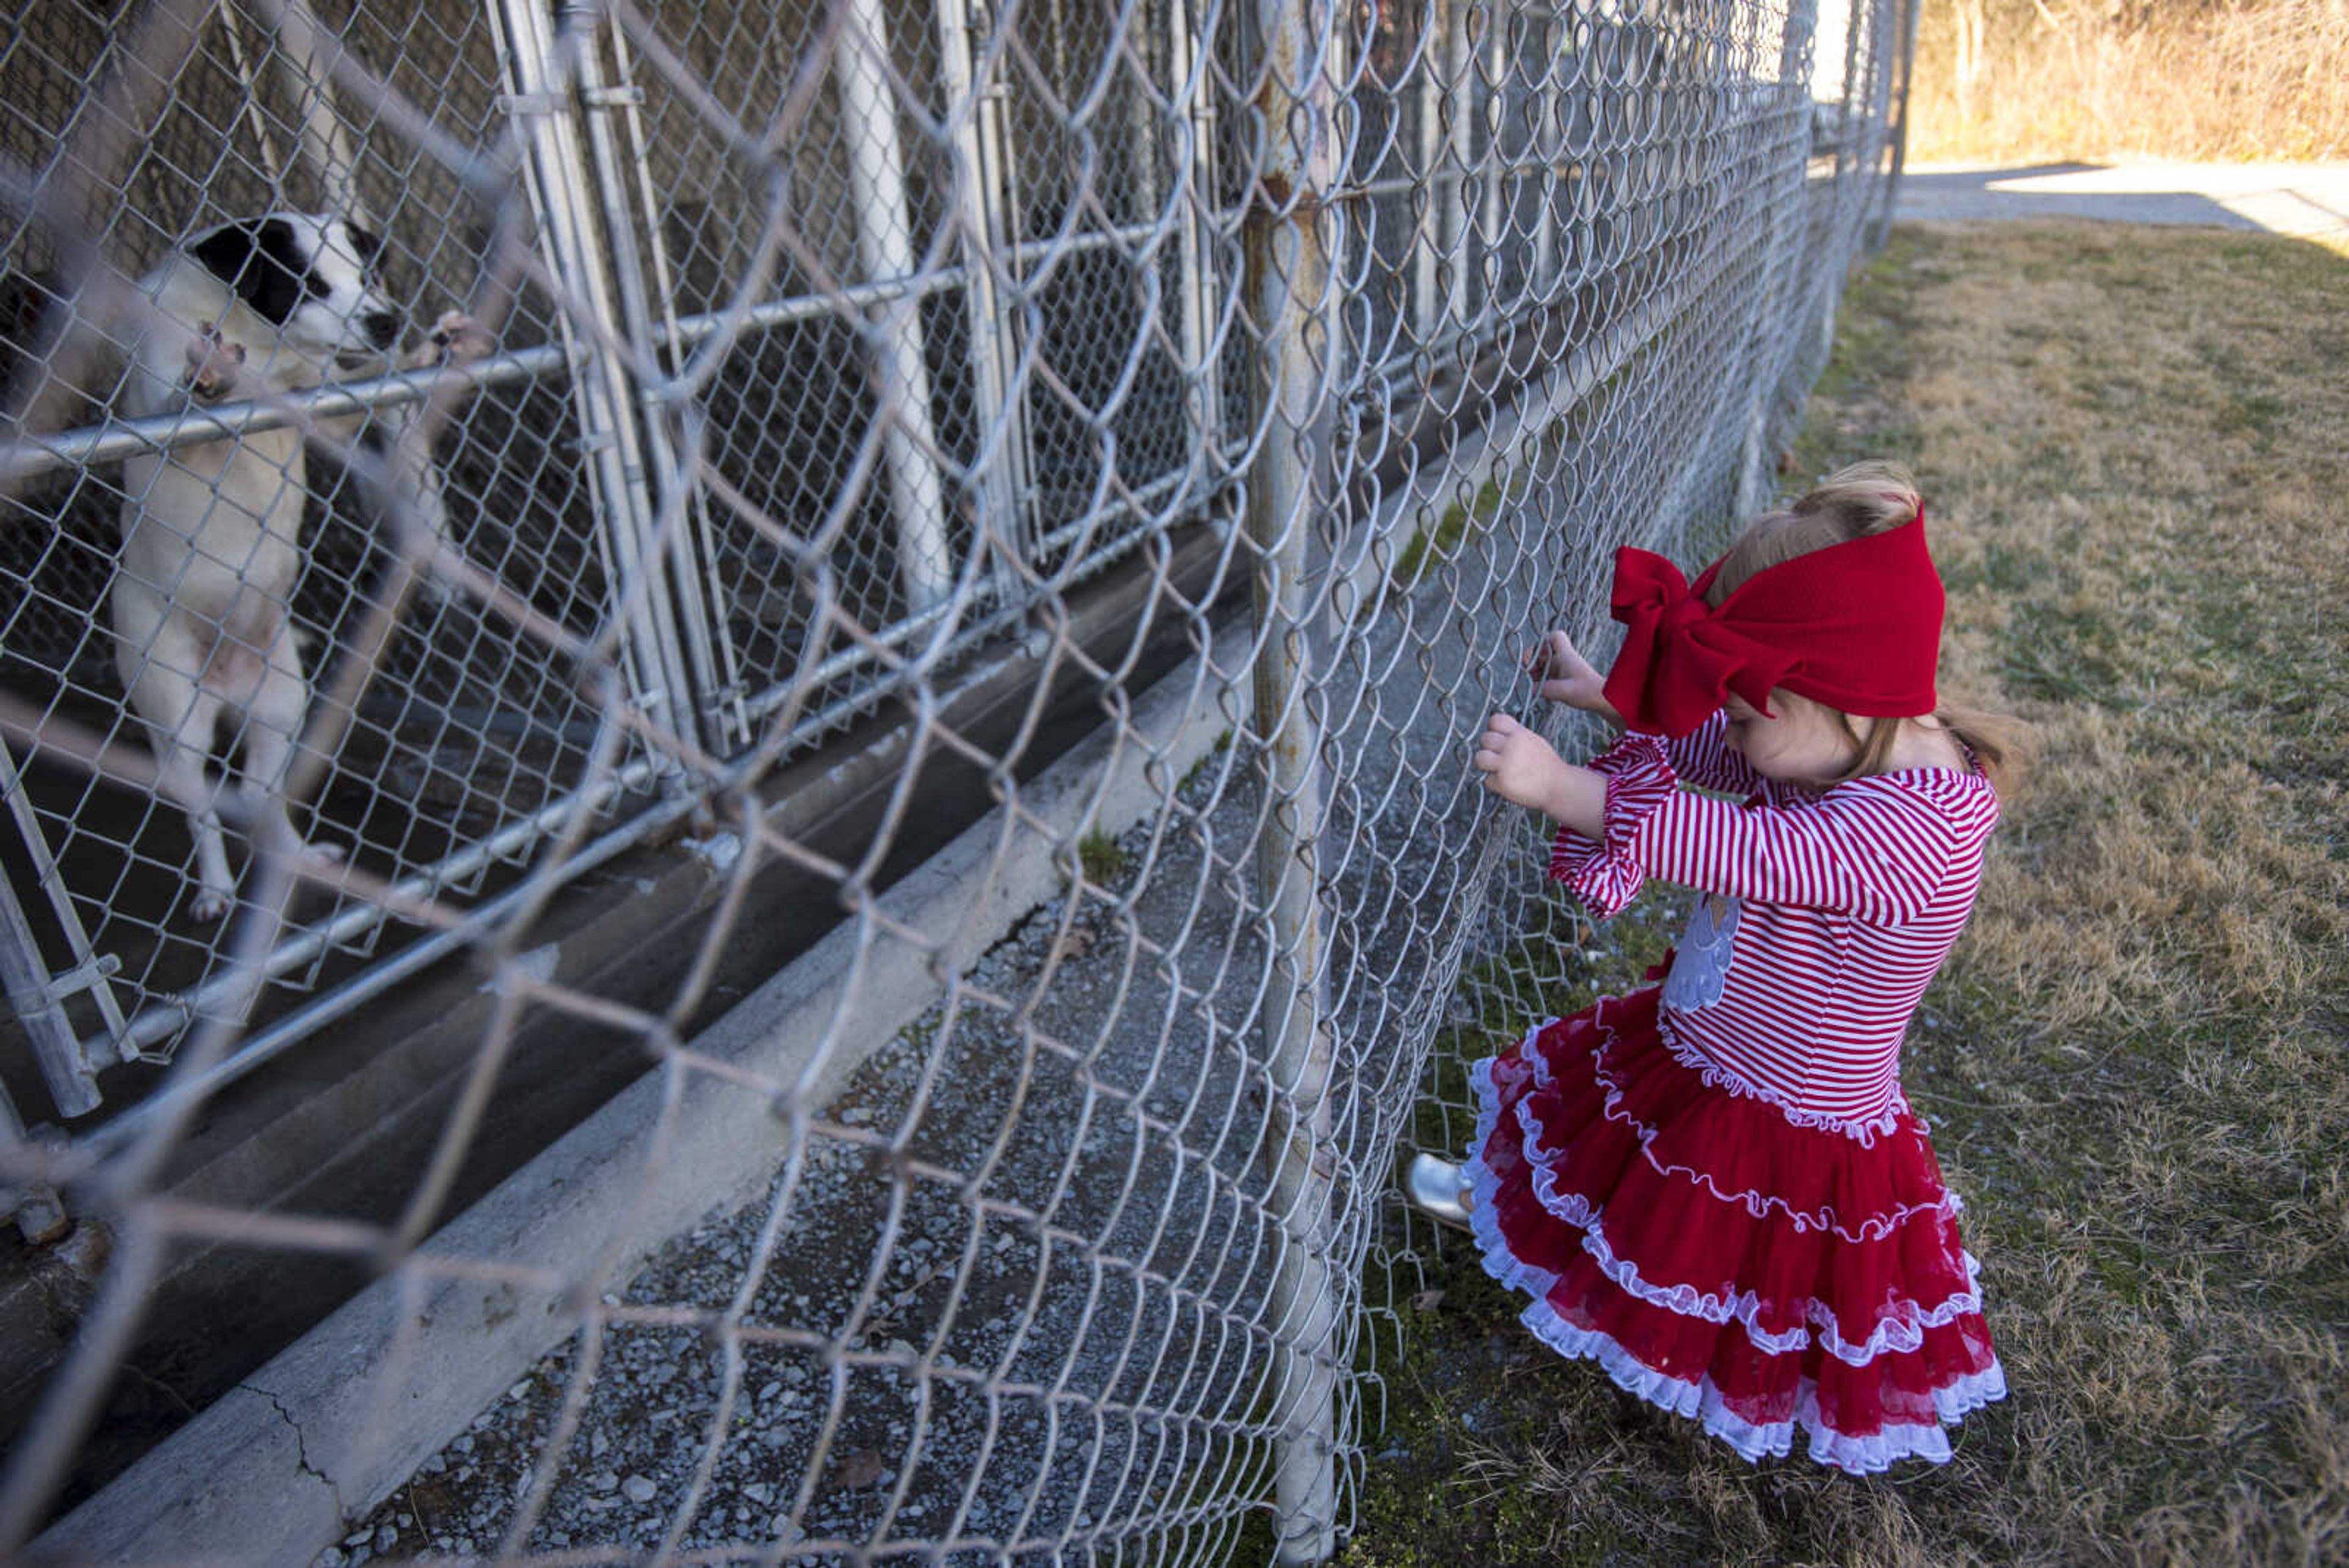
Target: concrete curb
<point>334,1424</point>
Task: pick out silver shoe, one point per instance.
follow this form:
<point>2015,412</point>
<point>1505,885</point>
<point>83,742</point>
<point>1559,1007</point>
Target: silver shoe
<point>1438,1188</point>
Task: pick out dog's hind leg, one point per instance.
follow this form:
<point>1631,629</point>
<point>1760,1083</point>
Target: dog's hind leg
<point>273,721</point>
<point>181,750</point>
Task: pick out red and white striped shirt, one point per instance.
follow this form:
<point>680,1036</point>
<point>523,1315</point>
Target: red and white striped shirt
<point>1847,899</point>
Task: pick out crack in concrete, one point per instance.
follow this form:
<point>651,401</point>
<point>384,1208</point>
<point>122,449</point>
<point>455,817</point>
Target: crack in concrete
<point>301,1449</point>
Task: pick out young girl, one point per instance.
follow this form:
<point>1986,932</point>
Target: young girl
<point>1713,1186</point>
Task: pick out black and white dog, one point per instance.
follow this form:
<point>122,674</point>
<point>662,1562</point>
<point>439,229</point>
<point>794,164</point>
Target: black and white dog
<point>211,546</point>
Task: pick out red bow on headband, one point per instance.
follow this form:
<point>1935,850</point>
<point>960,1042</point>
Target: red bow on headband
<point>1857,626</point>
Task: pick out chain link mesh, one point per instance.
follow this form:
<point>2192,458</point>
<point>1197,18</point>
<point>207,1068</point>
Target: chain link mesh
<point>1154,432</point>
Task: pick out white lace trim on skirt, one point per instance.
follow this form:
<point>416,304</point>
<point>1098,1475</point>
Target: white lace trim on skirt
<point>1899,1329</point>
<point>1854,1454</point>
<point>1702,1401</point>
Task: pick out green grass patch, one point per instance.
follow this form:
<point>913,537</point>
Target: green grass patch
<point>1211,758</point>
<point>1101,857</point>
<point>1424,549</point>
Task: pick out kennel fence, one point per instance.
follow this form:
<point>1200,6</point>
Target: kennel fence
<point>836,342</point>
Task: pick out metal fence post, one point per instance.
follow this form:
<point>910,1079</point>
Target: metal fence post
<point>885,251</point>
<point>1433,219</point>
<point>68,1064</point>
<point>1459,118</point>
<point>38,1001</point>
<point>559,186</point>
<point>1790,228</point>
<point>1289,247</point>
<point>1003,484</point>
<point>1543,151</point>
<point>1188,26</point>
<point>1492,223</point>
<point>1880,231</point>
<point>678,526</point>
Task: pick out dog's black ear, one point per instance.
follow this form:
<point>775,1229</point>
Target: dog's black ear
<point>262,259</point>
<point>366,245</point>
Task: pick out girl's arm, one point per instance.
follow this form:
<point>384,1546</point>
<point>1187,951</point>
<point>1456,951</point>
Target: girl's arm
<point>1700,757</point>
<point>1871,850</point>
<point>1521,767</point>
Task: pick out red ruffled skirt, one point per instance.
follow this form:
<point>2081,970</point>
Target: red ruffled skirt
<point>1721,1260</point>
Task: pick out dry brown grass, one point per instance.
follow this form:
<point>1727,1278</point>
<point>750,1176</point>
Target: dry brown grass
<point>2137,1064</point>
<point>2225,80</point>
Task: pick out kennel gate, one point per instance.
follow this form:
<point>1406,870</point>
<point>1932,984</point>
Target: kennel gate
<point>628,198</point>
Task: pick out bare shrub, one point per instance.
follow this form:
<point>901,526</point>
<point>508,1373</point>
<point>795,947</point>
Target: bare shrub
<point>2231,80</point>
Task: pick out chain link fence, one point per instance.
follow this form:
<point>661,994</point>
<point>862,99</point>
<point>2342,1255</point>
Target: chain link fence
<point>1270,375</point>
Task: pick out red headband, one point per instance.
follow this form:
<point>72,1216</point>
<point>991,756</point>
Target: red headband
<point>1857,626</point>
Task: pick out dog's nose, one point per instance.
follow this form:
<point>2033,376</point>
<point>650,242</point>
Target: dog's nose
<point>382,327</point>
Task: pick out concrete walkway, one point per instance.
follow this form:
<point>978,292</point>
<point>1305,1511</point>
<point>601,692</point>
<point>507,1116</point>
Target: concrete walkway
<point>2308,199</point>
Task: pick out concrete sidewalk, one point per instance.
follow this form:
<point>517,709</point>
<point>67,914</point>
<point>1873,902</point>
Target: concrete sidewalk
<point>2307,200</point>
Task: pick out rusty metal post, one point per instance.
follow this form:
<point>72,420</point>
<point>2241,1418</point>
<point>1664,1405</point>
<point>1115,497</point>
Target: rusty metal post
<point>1289,243</point>
<point>1880,231</point>
<point>1788,231</point>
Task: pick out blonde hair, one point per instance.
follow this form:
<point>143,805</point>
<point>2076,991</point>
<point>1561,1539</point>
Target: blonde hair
<point>1853,503</point>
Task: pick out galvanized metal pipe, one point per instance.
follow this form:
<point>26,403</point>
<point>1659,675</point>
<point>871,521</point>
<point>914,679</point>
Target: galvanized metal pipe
<point>165,1019</point>
<point>68,1066</point>
<point>1435,31</point>
<point>666,537</point>
<point>884,248</point>
<point>900,634</point>
<point>31,455</point>
<point>1000,402</point>
<point>32,993</point>
<point>1199,287</point>
<point>559,183</point>
<point>1459,238</point>
<point>1289,241</point>
<point>717,665</point>
<point>1882,230</point>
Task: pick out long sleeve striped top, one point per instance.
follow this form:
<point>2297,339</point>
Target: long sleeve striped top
<point>1845,901</point>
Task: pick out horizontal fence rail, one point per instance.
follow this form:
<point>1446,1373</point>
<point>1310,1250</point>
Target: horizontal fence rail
<point>462,459</point>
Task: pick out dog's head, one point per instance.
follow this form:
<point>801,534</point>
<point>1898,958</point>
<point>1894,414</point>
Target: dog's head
<point>310,276</point>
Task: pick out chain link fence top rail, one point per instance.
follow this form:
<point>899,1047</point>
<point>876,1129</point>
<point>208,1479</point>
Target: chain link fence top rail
<point>1043,1208</point>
